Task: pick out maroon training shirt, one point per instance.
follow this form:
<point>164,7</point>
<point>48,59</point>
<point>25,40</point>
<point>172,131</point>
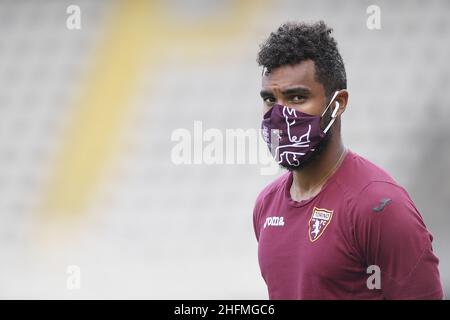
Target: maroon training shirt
<point>321,248</point>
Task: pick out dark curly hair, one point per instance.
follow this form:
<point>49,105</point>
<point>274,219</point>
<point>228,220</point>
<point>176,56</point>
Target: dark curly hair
<point>294,42</point>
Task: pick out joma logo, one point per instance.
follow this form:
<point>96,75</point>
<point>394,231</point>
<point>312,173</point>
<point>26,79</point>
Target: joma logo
<point>274,221</point>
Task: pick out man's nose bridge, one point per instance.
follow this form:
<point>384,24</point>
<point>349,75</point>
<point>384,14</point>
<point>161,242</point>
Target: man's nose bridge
<point>281,101</point>
<point>279,98</point>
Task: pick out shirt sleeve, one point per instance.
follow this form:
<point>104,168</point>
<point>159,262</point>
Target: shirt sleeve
<point>390,233</point>
<point>257,214</point>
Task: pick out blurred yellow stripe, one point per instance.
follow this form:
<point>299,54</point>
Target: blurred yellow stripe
<point>98,113</point>
<point>139,32</point>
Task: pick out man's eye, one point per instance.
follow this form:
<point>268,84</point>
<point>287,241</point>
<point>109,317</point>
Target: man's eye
<point>297,98</point>
<point>269,100</point>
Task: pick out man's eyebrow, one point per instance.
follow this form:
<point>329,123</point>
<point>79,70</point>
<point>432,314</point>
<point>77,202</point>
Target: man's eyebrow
<point>296,90</point>
<point>265,93</point>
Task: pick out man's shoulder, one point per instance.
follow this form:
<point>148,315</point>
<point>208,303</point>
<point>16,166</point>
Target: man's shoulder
<point>359,174</point>
<point>372,188</point>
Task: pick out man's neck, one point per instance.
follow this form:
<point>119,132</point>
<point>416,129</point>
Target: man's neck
<point>308,181</point>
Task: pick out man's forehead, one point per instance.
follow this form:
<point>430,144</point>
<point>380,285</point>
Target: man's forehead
<point>301,74</point>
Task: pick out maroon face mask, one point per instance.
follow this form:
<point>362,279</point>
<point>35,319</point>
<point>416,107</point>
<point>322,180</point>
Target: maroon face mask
<point>292,136</point>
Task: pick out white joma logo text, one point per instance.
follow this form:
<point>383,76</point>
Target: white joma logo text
<point>274,221</point>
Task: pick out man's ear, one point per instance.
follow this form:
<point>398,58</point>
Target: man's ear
<point>342,99</point>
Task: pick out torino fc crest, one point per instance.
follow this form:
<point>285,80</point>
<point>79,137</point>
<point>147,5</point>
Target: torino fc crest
<point>320,219</point>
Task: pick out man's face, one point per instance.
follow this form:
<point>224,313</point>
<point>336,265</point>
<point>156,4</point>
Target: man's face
<point>296,87</point>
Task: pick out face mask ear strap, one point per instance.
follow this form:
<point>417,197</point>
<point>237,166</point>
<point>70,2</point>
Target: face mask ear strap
<point>263,71</point>
<point>333,115</point>
<point>331,101</point>
<point>335,111</point>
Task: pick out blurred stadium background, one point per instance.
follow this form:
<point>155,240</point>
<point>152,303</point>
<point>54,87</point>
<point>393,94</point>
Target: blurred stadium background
<point>86,118</point>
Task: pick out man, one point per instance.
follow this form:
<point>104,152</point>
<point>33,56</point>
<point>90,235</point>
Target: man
<point>335,226</point>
